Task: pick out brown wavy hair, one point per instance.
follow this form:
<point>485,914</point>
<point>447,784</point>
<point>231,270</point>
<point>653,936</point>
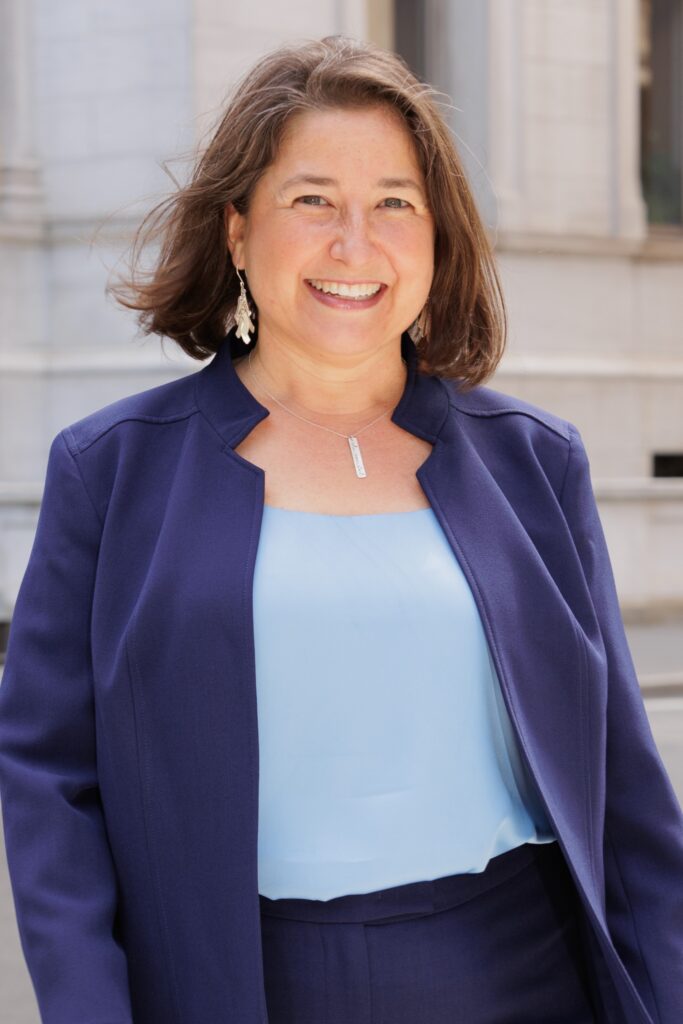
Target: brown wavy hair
<point>191,292</point>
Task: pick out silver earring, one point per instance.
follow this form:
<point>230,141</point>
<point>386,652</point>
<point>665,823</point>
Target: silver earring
<point>243,314</point>
<point>420,326</point>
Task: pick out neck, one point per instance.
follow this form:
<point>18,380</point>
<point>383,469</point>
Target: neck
<point>326,385</point>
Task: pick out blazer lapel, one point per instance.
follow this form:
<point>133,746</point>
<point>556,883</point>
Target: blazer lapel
<point>532,633</point>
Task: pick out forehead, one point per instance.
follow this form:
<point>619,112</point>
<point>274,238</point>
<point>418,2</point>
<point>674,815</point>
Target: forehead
<point>360,135</point>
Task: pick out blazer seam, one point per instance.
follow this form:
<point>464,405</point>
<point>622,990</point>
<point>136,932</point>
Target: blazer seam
<point>633,921</point>
<point>213,428</point>
<point>135,417</point>
<point>511,409</point>
<point>227,446</point>
<point>79,470</point>
<point>198,404</point>
<point>566,468</point>
<point>227,449</point>
<point>134,672</point>
<point>584,683</point>
<point>249,666</point>
<point>588,780</point>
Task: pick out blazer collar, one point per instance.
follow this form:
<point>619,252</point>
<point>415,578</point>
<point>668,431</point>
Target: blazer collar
<point>233,411</point>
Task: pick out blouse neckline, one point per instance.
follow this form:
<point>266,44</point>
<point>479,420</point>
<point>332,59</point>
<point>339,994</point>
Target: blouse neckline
<point>349,515</point>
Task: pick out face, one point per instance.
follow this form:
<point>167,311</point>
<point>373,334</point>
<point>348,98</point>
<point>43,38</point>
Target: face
<point>343,205</point>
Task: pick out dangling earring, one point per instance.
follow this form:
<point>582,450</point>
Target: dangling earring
<point>243,314</point>
<point>419,328</point>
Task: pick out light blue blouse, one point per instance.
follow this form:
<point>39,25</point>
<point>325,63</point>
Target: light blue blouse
<point>386,754</point>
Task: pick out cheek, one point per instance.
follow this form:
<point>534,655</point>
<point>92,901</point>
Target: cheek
<point>281,250</point>
<point>413,254</point>
<point>277,257</point>
<point>409,236</point>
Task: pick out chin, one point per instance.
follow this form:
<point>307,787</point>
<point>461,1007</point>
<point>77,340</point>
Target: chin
<point>359,340</point>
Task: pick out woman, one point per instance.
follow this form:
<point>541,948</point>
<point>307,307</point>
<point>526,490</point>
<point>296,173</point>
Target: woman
<point>318,707</point>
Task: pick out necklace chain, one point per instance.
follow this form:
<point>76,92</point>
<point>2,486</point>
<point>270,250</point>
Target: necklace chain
<point>312,422</point>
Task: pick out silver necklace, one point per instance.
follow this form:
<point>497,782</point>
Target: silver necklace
<point>351,438</point>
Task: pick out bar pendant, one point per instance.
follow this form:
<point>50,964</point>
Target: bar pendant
<point>357,457</point>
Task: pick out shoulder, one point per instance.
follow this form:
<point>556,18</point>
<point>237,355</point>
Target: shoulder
<point>524,445</point>
<point>163,403</point>
<point>506,411</point>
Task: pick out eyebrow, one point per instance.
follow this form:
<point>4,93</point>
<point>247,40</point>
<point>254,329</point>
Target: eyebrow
<point>312,179</point>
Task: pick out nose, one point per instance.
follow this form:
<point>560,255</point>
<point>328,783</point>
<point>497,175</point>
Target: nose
<point>353,241</point>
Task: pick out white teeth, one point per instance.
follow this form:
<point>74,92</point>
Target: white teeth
<point>350,291</point>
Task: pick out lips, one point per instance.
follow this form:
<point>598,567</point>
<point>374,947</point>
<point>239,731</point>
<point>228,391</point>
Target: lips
<point>346,289</point>
<point>345,302</point>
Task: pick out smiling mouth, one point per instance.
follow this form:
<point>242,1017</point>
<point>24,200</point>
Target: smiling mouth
<point>346,291</point>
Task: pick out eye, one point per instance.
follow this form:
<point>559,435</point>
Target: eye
<point>302,199</point>
<point>394,199</point>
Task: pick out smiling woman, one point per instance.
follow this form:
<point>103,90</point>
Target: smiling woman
<point>331,137</point>
<point>336,277</point>
<point>317,704</point>
<point>353,247</point>
<point>327,215</point>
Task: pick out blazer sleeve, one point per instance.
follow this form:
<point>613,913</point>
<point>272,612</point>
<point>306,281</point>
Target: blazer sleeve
<point>643,837</point>
<point>61,869</point>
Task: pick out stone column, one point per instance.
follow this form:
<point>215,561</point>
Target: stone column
<point>457,63</point>
<point>20,186</point>
<point>564,118</point>
<point>22,387</point>
<point>628,215</point>
<point>351,17</point>
<point>506,117</point>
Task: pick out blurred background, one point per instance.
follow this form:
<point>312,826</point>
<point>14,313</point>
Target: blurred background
<point>569,117</point>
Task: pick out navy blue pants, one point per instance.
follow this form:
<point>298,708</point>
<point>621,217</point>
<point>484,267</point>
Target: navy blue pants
<point>500,946</point>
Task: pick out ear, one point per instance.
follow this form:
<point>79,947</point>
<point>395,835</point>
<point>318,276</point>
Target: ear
<point>234,233</point>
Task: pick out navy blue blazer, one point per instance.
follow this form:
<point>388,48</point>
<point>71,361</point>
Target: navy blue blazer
<point>128,723</point>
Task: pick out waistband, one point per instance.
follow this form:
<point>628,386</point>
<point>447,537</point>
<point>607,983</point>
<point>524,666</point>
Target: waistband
<point>414,899</point>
